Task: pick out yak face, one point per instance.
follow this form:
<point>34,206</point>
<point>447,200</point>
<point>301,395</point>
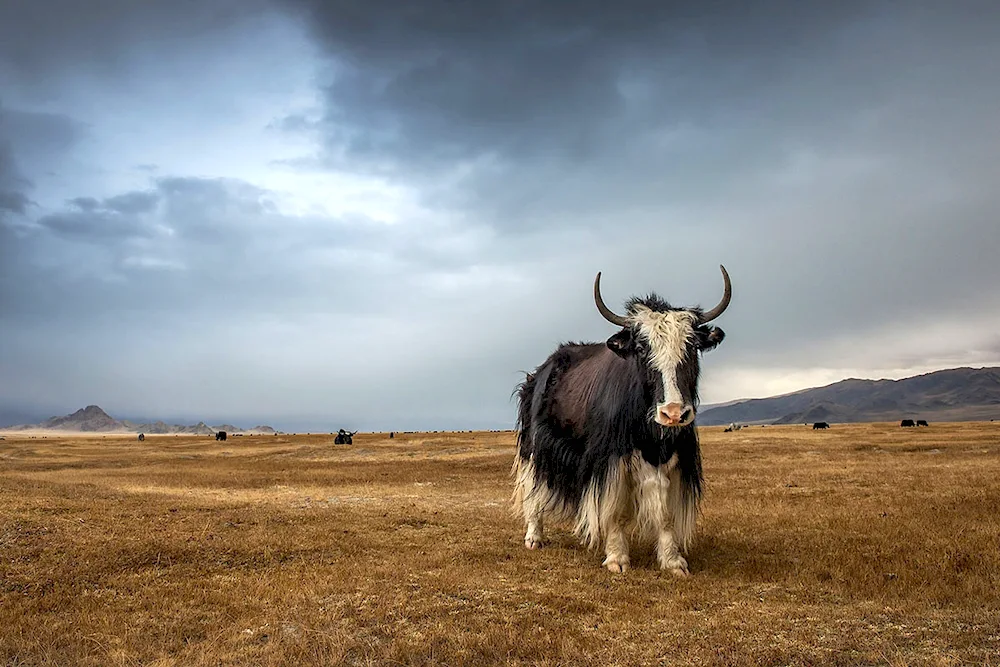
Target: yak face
<point>665,343</point>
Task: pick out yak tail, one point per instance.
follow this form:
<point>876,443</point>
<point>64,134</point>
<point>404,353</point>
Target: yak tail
<point>524,391</point>
<point>524,482</point>
<point>521,469</point>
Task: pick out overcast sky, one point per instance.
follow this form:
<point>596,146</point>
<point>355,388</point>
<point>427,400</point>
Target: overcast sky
<point>377,215</point>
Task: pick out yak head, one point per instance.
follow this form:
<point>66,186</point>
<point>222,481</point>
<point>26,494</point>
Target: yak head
<point>665,342</point>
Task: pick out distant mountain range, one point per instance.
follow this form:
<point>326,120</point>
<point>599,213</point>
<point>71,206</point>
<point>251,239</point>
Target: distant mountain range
<point>956,394</point>
<point>94,419</point>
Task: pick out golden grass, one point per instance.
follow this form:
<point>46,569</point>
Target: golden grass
<point>865,544</point>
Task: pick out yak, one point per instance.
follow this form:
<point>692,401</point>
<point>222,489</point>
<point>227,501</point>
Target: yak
<point>344,437</point>
<point>606,435</point>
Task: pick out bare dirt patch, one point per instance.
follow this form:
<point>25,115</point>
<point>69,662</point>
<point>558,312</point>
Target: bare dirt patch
<point>865,544</point>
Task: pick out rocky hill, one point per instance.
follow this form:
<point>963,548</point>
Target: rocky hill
<point>90,418</point>
<point>956,394</point>
<point>93,419</point>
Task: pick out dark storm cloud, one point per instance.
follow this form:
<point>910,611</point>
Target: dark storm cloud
<point>12,185</point>
<point>568,106</point>
<point>12,201</point>
<point>440,81</point>
<point>827,153</point>
<point>119,217</point>
<point>191,246</point>
<point>38,131</point>
<point>838,158</point>
<point>133,202</point>
<point>37,38</point>
<point>86,204</point>
<point>99,223</point>
<point>32,140</point>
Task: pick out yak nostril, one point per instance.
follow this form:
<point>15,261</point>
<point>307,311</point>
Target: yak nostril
<point>685,415</point>
<point>669,414</point>
<point>673,410</point>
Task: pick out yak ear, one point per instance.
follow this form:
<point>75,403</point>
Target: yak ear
<point>622,343</point>
<point>710,339</point>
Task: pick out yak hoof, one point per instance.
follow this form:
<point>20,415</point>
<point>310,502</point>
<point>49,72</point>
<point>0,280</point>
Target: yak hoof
<point>533,542</point>
<point>677,566</point>
<point>617,564</point>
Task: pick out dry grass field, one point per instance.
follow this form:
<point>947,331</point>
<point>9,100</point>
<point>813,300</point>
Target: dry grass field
<point>865,544</point>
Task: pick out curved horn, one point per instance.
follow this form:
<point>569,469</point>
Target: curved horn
<point>604,310</point>
<point>726,296</point>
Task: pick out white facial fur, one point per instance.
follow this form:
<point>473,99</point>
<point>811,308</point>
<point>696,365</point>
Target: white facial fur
<point>667,335</point>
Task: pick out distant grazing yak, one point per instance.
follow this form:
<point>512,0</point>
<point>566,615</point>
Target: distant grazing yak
<point>606,436</point>
<point>221,435</point>
<point>141,437</point>
<point>922,422</point>
<point>907,422</point>
<point>820,425</point>
<point>344,438</point>
<point>391,435</point>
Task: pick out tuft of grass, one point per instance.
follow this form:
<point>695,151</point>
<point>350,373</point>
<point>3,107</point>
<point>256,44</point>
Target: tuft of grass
<point>865,544</point>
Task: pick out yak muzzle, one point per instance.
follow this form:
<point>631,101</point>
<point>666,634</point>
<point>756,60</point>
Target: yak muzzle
<point>674,414</point>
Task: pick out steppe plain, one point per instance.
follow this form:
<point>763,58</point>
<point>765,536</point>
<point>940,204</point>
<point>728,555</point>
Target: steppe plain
<point>864,544</point>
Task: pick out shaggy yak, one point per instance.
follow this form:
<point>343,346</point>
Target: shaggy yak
<point>606,434</point>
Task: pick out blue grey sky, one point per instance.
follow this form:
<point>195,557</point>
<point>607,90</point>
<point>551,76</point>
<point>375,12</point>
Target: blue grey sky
<point>377,215</point>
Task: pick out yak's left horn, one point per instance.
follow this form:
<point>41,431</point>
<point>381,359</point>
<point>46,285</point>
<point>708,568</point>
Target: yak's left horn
<point>605,311</point>
<point>726,296</point>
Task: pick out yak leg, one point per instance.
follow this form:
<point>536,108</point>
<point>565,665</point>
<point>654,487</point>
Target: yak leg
<point>531,505</point>
<point>667,552</point>
<point>656,512</point>
<point>615,512</point>
<point>669,555</point>
<point>533,519</point>
<point>616,548</point>
<point>604,512</point>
